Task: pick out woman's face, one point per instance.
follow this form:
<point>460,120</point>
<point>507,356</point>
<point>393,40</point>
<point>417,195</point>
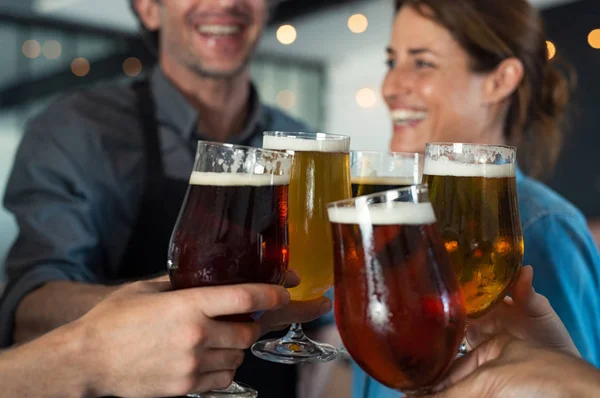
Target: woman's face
<point>430,90</point>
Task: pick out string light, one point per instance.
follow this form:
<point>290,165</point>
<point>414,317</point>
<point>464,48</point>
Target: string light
<point>80,67</point>
<point>366,98</point>
<point>551,49</point>
<point>358,23</point>
<point>286,34</point>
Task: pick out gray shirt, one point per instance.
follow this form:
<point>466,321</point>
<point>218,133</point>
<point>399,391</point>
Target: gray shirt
<point>78,181</point>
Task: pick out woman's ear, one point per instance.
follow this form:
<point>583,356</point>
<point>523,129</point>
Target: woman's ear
<point>503,81</point>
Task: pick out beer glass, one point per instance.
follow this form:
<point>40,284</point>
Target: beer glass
<point>320,174</point>
<point>374,172</point>
<point>474,194</point>
<point>232,227</point>
<point>399,308</point>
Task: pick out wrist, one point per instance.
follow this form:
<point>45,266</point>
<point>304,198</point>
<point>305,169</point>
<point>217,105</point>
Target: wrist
<point>78,361</point>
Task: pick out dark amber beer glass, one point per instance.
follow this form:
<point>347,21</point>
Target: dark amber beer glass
<point>473,191</point>
<point>320,174</point>
<point>232,227</point>
<point>374,172</point>
<point>398,305</point>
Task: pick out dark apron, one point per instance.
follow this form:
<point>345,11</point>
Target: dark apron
<point>146,252</point>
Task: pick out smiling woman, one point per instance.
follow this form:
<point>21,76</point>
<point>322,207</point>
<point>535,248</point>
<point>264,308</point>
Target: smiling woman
<point>477,71</point>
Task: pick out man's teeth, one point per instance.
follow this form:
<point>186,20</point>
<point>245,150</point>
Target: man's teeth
<point>219,29</point>
<point>407,116</point>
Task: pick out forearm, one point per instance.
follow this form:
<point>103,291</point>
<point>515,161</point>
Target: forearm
<point>53,305</point>
<point>51,366</point>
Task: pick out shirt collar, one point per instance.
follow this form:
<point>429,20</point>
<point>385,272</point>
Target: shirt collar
<point>174,110</point>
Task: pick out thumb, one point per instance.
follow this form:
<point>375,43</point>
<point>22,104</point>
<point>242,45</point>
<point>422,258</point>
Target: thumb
<point>525,298</point>
<point>467,387</point>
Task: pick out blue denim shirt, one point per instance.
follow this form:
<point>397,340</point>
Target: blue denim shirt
<point>566,262</point>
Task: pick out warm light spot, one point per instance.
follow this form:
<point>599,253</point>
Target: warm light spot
<point>80,67</point>
<point>286,99</point>
<point>451,246</point>
<point>594,38</point>
<point>358,23</point>
<point>132,67</point>
<point>52,49</point>
<point>502,246</point>
<point>551,49</point>
<point>286,34</point>
<point>31,49</point>
<point>366,98</point>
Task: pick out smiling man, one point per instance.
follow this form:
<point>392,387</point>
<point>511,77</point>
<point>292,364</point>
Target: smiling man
<point>101,173</point>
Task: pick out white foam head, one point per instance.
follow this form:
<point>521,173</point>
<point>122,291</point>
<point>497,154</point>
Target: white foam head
<point>390,213</point>
<point>383,180</point>
<point>446,167</point>
<point>320,144</point>
<point>237,179</point>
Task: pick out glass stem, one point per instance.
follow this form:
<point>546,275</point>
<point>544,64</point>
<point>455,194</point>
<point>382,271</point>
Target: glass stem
<point>295,333</point>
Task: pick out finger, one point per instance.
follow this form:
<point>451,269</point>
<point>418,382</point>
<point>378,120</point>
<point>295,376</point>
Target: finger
<point>468,387</point>
<point>292,279</point>
<point>295,312</point>
<point>464,366</point>
<point>236,299</point>
<point>215,360</point>
<point>229,335</point>
<point>212,381</point>
<point>151,286</point>
<point>162,278</point>
<point>526,299</point>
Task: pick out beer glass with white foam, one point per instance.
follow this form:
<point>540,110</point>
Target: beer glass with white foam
<point>320,174</point>
<point>232,227</point>
<point>474,194</point>
<point>374,172</point>
<point>399,308</point>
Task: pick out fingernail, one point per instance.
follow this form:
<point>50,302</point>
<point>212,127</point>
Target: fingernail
<point>287,297</point>
<point>326,307</point>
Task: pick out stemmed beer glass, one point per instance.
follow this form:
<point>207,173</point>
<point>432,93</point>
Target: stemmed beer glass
<point>474,195</point>
<point>399,308</point>
<point>374,172</point>
<point>231,228</point>
<point>320,174</point>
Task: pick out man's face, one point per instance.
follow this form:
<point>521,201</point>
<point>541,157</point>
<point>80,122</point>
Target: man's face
<point>215,38</point>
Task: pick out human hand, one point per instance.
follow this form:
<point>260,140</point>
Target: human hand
<point>525,315</point>
<point>507,367</point>
<point>145,340</point>
<point>295,311</point>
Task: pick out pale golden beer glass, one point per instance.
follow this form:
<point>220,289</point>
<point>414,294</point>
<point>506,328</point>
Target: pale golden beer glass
<point>474,194</point>
<point>320,174</point>
<point>374,172</point>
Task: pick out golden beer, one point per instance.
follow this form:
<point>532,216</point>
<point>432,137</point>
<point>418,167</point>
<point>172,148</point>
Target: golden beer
<point>477,210</point>
<point>320,174</point>
<point>368,185</point>
<point>374,172</point>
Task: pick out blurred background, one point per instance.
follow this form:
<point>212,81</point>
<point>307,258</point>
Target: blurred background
<point>321,60</point>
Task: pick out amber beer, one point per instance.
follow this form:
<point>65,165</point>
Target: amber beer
<point>231,229</point>
<point>398,306</point>
<point>320,174</point>
<point>367,185</point>
<point>476,207</point>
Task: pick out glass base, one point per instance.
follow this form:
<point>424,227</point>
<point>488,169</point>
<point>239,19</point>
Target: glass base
<point>235,390</point>
<point>288,351</point>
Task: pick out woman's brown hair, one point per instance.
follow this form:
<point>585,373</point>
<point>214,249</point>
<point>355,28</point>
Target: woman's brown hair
<point>492,31</point>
